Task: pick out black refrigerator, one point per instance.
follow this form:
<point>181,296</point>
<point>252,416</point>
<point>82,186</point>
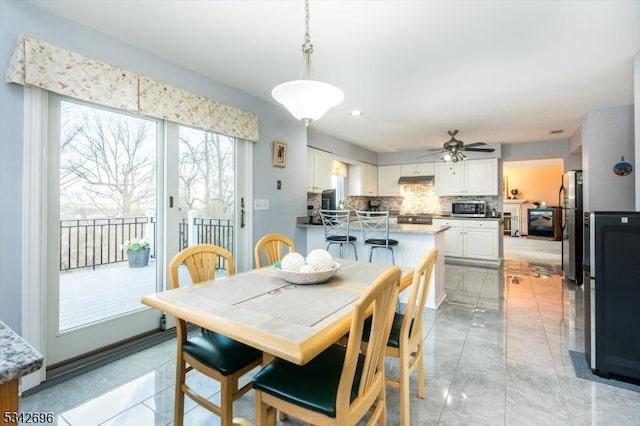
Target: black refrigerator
<point>570,198</point>
<point>612,293</point>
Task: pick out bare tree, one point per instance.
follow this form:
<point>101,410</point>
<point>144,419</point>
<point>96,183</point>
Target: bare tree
<point>207,173</point>
<point>107,162</point>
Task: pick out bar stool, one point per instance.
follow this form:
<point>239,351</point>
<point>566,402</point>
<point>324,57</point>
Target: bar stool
<point>375,232</point>
<point>336,229</point>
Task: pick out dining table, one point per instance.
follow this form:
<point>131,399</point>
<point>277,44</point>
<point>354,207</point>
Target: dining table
<point>259,308</point>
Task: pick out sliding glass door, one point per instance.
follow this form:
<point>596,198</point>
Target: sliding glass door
<point>119,181</point>
<point>103,199</point>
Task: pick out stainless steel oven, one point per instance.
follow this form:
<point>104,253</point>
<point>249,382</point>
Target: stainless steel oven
<point>469,208</point>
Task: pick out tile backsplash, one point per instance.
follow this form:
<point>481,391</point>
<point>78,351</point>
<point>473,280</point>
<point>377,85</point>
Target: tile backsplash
<point>416,198</point>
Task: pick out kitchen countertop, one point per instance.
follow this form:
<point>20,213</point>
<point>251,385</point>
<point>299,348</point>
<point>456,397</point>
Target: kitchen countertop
<point>17,357</point>
<point>465,218</point>
<point>404,228</point>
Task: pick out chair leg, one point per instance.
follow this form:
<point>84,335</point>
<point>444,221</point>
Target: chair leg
<point>226,402</point>
<point>341,251</point>
<point>370,254</point>
<point>355,250</point>
<point>393,256</point>
<point>264,414</point>
<point>420,361</point>
<point>404,387</point>
<point>178,413</point>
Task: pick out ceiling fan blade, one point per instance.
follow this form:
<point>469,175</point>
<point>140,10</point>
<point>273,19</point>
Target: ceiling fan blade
<point>478,149</point>
<point>431,154</point>
<point>471,145</point>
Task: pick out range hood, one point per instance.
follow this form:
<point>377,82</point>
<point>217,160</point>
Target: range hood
<point>415,179</point>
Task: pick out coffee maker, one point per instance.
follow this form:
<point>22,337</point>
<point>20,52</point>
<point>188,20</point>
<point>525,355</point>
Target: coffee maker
<point>374,205</point>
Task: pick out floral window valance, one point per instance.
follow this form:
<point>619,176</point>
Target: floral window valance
<point>40,64</point>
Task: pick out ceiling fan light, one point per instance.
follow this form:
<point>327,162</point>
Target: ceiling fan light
<point>447,157</point>
<point>307,100</point>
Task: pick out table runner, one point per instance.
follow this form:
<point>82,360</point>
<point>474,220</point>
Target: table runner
<point>230,291</point>
<point>304,305</point>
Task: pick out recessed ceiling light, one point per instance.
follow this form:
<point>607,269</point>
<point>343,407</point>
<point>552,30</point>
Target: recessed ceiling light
<point>356,113</point>
<point>555,132</point>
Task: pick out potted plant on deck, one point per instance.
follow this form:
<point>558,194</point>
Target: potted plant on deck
<point>138,251</point>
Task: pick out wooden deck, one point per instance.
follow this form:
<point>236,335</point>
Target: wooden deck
<point>88,296</point>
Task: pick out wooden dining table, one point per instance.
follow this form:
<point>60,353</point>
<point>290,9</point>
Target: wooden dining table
<point>293,322</point>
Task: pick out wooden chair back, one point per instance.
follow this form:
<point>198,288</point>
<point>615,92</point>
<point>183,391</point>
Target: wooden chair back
<point>201,261</point>
<point>273,247</point>
<point>380,302</point>
<point>411,330</point>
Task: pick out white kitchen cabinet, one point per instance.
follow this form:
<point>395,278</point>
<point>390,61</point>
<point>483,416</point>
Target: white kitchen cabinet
<point>318,170</point>
<point>388,181</point>
<point>469,177</point>
<point>417,169</point>
<point>471,239</point>
<point>363,180</point>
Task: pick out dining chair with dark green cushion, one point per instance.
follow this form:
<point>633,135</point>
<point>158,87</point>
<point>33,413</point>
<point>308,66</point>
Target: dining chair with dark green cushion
<point>341,385</point>
<point>406,336</point>
<point>210,353</point>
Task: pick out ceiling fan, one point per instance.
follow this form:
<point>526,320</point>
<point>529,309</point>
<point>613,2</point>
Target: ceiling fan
<point>453,148</point>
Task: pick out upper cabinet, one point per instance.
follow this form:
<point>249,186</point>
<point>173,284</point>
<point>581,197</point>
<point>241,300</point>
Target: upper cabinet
<point>318,170</point>
<point>363,180</point>
<point>418,169</point>
<point>469,177</point>
<point>388,181</point>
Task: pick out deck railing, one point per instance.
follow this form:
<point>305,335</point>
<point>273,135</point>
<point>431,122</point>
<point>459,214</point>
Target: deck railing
<point>87,243</point>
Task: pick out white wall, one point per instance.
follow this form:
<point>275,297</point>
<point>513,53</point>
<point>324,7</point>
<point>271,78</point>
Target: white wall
<point>19,17</point>
<point>317,139</point>
<point>607,136</point>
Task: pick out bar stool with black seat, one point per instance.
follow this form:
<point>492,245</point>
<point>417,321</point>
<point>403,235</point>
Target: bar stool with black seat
<point>272,246</point>
<point>375,232</point>
<point>336,224</point>
<point>210,353</point>
<point>340,385</point>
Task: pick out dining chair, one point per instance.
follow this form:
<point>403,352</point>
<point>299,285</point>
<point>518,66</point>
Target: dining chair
<point>406,336</point>
<point>272,247</point>
<point>341,384</point>
<point>336,225</point>
<point>375,232</point>
<point>210,353</point>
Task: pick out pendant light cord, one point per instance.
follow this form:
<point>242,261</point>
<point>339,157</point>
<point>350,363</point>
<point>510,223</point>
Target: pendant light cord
<point>307,47</point>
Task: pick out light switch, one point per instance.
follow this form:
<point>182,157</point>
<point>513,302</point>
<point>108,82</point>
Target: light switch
<point>261,204</point>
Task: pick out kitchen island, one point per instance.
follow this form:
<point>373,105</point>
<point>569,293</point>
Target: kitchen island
<point>414,241</point>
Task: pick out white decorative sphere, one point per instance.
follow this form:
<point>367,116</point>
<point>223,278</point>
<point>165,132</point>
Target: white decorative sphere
<point>323,265</point>
<point>306,269</point>
<point>319,256</point>
<point>292,262</point>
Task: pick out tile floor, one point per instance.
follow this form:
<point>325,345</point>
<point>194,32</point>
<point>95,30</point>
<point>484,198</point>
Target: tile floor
<point>496,353</point>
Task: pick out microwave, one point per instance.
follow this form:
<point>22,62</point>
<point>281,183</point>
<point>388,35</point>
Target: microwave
<point>469,208</point>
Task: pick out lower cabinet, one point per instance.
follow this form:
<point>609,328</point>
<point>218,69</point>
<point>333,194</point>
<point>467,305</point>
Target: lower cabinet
<point>471,239</point>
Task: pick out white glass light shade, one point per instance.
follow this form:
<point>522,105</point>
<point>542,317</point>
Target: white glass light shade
<point>307,100</point>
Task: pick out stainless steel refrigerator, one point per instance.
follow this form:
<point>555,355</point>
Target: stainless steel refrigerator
<point>571,202</point>
<point>612,293</point>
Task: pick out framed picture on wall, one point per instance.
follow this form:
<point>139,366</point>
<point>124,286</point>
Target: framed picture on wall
<point>279,154</point>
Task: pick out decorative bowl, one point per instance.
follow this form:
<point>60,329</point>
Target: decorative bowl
<point>307,277</point>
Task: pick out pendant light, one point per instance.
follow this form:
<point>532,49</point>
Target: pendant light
<point>305,98</point>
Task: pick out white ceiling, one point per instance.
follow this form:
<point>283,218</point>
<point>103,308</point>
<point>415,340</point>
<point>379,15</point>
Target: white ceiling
<point>500,71</point>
